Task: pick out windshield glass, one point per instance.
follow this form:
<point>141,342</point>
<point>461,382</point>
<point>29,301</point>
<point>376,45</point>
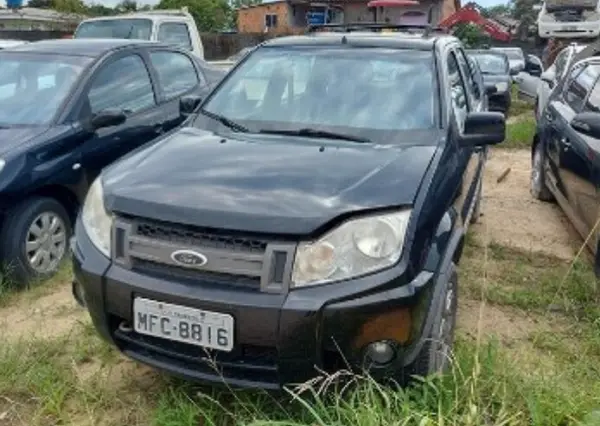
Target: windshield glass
<point>33,86</point>
<point>361,92</point>
<point>115,28</point>
<point>492,64</point>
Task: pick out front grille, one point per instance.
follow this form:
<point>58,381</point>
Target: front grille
<point>151,247</point>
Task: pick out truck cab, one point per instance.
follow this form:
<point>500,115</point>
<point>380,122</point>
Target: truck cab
<point>167,26</point>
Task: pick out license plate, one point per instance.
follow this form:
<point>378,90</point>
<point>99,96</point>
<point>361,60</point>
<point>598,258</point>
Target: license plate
<point>571,28</point>
<point>183,324</point>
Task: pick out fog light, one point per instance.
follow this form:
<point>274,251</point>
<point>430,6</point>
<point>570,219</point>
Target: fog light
<point>380,352</point>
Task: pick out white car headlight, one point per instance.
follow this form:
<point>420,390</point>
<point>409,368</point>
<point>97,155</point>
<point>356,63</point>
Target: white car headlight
<point>502,87</point>
<point>96,221</point>
<point>354,248</point>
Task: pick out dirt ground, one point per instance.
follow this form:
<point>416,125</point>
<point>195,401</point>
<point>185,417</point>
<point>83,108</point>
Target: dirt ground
<point>512,217</point>
<point>509,216</point>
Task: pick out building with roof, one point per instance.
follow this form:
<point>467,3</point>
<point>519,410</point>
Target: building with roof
<point>31,18</point>
<point>288,16</point>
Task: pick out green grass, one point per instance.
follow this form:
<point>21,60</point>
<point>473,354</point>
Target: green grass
<point>544,377</point>
<point>519,133</point>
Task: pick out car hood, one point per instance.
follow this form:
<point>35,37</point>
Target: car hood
<point>262,183</point>
<point>15,137</point>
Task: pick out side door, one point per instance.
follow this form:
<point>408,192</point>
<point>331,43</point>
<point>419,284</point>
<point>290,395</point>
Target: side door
<point>579,163</point>
<point>469,160</point>
<point>560,136</point>
<point>122,83</point>
<point>177,75</point>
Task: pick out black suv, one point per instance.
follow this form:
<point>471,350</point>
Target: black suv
<point>309,215</point>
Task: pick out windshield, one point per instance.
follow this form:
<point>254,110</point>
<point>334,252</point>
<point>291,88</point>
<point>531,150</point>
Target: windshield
<point>361,92</point>
<point>492,64</point>
<point>115,28</point>
<point>33,86</point>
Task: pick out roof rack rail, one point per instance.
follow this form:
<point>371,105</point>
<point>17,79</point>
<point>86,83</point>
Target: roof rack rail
<point>172,12</point>
<point>425,29</point>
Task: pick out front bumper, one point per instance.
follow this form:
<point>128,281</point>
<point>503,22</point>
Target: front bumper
<point>569,29</point>
<point>279,338</point>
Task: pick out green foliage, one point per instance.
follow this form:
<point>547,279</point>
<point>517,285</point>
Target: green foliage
<point>69,6</point>
<point>210,15</point>
<point>470,34</point>
<point>127,6</point>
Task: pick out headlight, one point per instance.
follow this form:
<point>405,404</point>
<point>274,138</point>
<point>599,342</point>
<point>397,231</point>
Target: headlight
<point>354,248</point>
<point>501,87</point>
<point>96,221</point>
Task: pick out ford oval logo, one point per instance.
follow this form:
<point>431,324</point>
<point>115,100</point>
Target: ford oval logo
<point>189,258</point>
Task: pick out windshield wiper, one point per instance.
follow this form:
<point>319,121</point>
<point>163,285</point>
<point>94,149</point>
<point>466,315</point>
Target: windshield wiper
<point>316,133</point>
<point>225,121</point>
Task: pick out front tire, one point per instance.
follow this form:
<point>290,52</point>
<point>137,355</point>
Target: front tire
<point>537,183</point>
<point>435,355</point>
<point>34,240</point>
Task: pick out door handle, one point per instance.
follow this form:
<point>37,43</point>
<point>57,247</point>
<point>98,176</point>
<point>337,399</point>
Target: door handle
<point>565,143</point>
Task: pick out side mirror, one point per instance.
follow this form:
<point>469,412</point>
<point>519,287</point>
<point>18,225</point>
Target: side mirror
<point>107,118</point>
<point>188,104</point>
<point>548,76</point>
<point>514,71</point>
<point>483,128</point>
<point>490,89</point>
<point>587,123</point>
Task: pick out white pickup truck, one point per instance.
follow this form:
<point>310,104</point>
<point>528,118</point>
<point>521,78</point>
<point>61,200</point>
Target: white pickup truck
<point>169,26</point>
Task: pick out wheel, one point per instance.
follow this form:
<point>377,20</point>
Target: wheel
<point>477,208</point>
<point>435,354</point>
<point>34,239</point>
<point>537,184</point>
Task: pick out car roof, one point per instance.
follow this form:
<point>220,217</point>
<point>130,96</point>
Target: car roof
<point>91,47</point>
<point>395,40</point>
<point>487,52</point>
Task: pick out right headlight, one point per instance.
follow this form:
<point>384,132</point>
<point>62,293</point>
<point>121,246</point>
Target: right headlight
<point>96,220</point>
<point>356,247</point>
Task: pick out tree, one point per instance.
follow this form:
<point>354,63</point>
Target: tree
<point>527,16</point>
<point>499,10</point>
<point>126,6</point>
<point>99,10</point>
<point>69,6</point>
<point>210,15</point>
<point>470,34</point>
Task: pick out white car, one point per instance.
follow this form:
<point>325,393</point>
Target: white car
<point>7,44</point>
<point>569,19</point>
<point>554,73</point>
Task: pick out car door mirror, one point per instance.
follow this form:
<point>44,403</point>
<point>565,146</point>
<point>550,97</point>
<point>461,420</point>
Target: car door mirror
<point>514,71</point>
<point>490,89</point>
<point>483,128</point>
<point>188,104</point>
<point>108,118</point>
<point>587,123</point>
<point>548,76</point>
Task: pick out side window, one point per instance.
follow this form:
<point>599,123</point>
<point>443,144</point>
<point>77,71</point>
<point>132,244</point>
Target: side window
<point>580,86</point>
<point>176,33</point>
<point>457,89</point>
<point>470,75</point>
<point>561,61</point>
<point>176,72</point>
<point>593,101</point>
<point>123,84</point>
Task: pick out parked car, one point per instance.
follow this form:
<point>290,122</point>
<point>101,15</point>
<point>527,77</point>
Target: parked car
<point>566,150</point>
<point>496,73</point>
<point>554,73</point>
<point>7,44</point>
<point>528,80</point>
<point>67,109</point>
<point>228,63</point>
<point>293,224</point>
<point>176,27</point>
<point>516,57</point>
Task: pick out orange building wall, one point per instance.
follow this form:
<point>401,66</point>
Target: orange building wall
<point>252,19</point>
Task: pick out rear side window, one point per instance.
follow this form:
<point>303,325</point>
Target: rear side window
<point>123,84</point>
<point>580,86</point>
<point>593,102</point>
<point>176,33</point>
<point>176,72</point>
